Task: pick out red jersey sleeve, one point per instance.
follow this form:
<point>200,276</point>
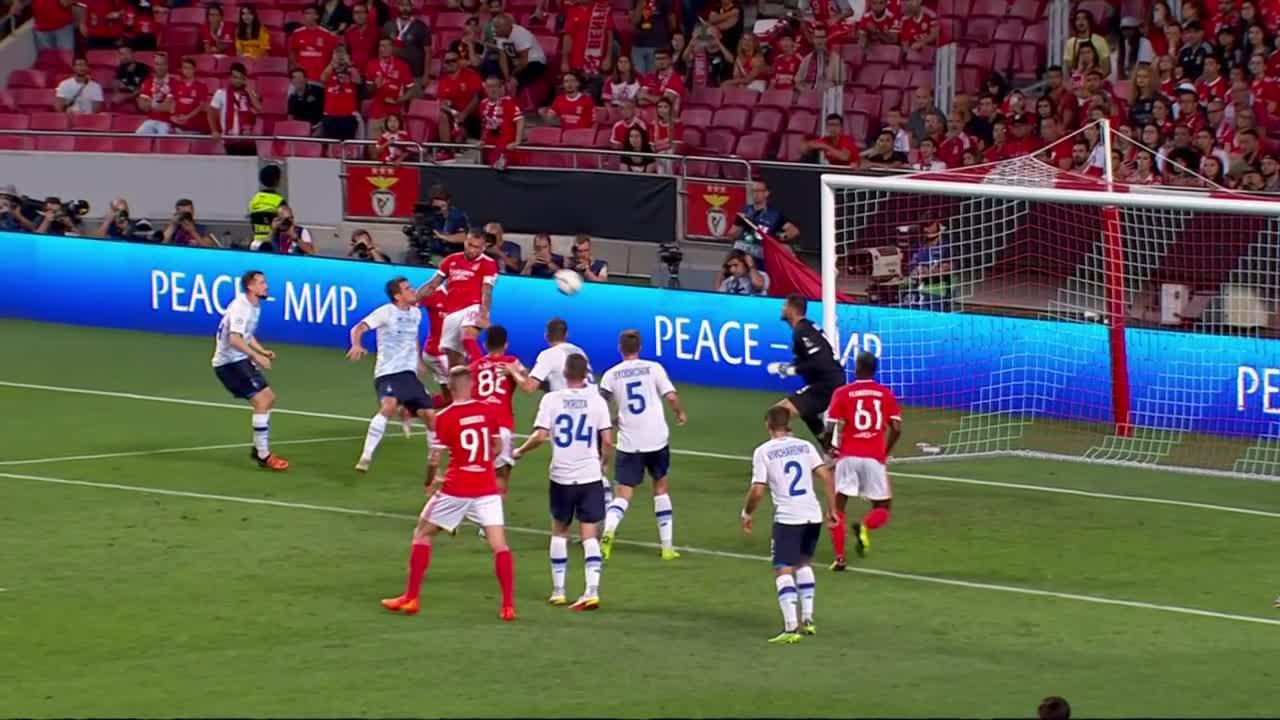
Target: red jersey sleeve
<point>839,405</point>
<point>891,410</point>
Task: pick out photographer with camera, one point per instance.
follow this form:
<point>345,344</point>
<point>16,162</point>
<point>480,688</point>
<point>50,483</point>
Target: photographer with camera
<point>287,237</point>
<point>508,254</point>
<point>437,228</point>
<point>12,216</point>
<point>183,228</point>
<point>543,263</point>
<point>117,225</point>
<point>588,267</point>
<point>362,247</point>
<point>61,219</point>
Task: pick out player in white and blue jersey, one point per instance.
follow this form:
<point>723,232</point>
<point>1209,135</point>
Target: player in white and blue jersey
<point>238,361</point>
<point>576,421</point>
<point>548,369</point>
<point>395,376</point>
<point>786,465</point>
<point>639,388</point>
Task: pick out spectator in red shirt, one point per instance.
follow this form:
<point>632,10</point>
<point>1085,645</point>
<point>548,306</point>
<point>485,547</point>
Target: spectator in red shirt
<point>391,85</point>
<point>998,147</point>
<point>935,128</point>
<point>233,111</point>
<point>666,130</point>
<point>665,82</point>
<point>54,25</point>
<point>1188,112</point>
<point>156,99</point>
<point>190,101</point>
<point>834,148</point>
<point>311,46</point>
<point>102,24</point>
<point>362,37</point>
<point>459,92</point>
<point>785,64</point>
<point>393,141</point>
<point>1022,142</point>
<point>1144,170</point>
<point>217,37</point>
<point>503,123</point>
<point>919,25</point>
<point>951,151</point>
<point>1211,83</point>
<point>140,24</point>
<point>630,119</point>
<point>586,46</point>
<point>572,109</point>
<point>1055,153</point>
<point>878,26</point>
<point>341,97</point>
<point>750,70</point>
<point>927,160</point>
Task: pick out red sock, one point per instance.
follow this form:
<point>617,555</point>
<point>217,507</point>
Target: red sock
<point>876,518</point>
<point>504,568</point>
<point>838,537</point>
<point>472,347</point>
<point>419,559</point>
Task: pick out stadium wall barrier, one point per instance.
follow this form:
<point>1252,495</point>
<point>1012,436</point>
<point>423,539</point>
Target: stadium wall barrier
<point>958,361</point>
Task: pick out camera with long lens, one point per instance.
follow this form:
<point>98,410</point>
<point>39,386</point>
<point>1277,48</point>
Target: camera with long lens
<point>670,254</point>
<point>420,231</point>
<point>78,208</point>
<point>186,217</point>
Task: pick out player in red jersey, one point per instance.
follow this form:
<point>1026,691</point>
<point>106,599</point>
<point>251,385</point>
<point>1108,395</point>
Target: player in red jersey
<point>469,275</point>
<point>869,423</point>
<point>497,375</point>
<point>433,358</point>
<point>471,432</point>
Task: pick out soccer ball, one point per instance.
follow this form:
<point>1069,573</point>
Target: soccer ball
<point>568,281</point>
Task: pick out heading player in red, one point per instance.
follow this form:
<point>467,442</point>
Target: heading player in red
<point>471,433</point>
<point>469,275</point>
<point>497,375</point>
<point>869,422</point>
<point>436,307</point>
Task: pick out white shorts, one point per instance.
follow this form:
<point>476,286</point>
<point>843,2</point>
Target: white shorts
<point>863,477</point>
<point>451,332</point>
<point>448,512</point>
<point>438,366</point>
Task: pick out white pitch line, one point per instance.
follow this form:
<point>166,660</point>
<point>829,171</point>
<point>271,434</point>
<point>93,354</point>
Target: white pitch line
<point>1094,599</point>
<point>169,451</point>
<point>704,454</point>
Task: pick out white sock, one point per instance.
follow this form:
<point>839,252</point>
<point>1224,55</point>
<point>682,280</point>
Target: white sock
<point>592,562</point>
<point>787,601</point>
<point>559,563</point>
<point>662,511</point>
<point>804,581</point>
<point>261,429</point>
<point>608,489</point>
<point>613,514</point>
<point>377,426</point>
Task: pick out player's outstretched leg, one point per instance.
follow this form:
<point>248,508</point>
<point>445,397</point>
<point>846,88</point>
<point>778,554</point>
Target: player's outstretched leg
<point>471,344</point>
<point>262,403</point>
<point>785,582</point>
<point>838,536</point>
<point>559,563</point>
<point>419,559</point>
<point>503,569</point>
<point>875,519</point>
<point>377,428</point>
<point>613,518</point>
<point>805,585</point>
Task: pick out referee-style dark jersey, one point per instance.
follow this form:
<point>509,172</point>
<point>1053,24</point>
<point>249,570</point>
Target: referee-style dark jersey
<point>815,360</point>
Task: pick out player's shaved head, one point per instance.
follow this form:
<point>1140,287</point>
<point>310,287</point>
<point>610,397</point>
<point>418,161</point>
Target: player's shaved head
<point>460,381</point>
<point>864,365</point>
<point>629,342</point>
<point>495,338</point>
<point>778,418</point>
<point>557,330</point>
<point>575,368</point>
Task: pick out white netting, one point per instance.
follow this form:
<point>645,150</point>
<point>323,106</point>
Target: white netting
<point>1124,334</point>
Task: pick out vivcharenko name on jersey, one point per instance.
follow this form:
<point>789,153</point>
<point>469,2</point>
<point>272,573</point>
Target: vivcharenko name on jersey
<point>241,318</point>
<point>573,419</point>
<point>786,466</point>
<point>549,366</point>
<point>638,387</point>
<point>397,332</point>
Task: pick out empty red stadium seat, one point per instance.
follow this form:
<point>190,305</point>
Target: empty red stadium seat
<point>187,16</point>
<point>802,121</point>
<point>32,99</point>
<point>49,121</point>
<point>56,61</point>
<point>126,123</point>
<point>28,78</point>
<point>922,58</point>
<point>180,40</point>
<point>102,59</point>
<point>603,135</point>
<point>426,109</point>
<point>857,126</point>
<point>272,85</point>
<point>269,66</point>
<point>720,141</point>
<point>789,150</point>
<point>705,97</point>
<point>884,54</point>
<point>301,149</point>
<point>740,97</point>
<point>920,79</point>
<point>14,122</point>
<point>753,146</point>
<point>547,136</point>
<point>768,120</point>
<point>56,143</point>
<point>870,77</point>
<point>578,137</point>
<point>95,122</point>
<point>207,147</point>
<point>272,18</point>
<point>781,99</point>
<point>852,54</point>
<point>863,103</point>
<point>696,117</point>
<point>291,128</point>
<point>1027,12</point>
<point>954,8</point>
<point>731,118</point>
<point>692,138</point>
<point>91,143</point>
<point>7,103</point>
<point>809,101</point>
<point>979,30</point>
<point>171,145</point>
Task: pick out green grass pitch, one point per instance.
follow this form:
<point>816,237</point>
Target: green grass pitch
<point>149,569</point>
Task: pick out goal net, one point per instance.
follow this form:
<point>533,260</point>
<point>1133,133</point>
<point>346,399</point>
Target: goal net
<point>1020,309</point>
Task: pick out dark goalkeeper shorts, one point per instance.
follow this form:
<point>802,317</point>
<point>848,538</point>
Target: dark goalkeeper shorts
<point>811,401</point>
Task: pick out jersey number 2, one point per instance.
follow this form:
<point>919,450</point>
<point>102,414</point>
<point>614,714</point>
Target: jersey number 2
<point>565,433</point>
<point>796,471</point>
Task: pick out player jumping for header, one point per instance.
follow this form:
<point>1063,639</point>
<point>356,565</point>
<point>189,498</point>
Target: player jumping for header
<point>469,276</point>
<point>865,416</point>
<point>237,357</point>
<point>576,420</point>
<point>395,377</point>
<point>471,433</point>
<point>815,362</point>
<point>787,465</point>
<point>639,387</point>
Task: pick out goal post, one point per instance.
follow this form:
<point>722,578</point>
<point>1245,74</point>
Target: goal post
<point>1029,313</point>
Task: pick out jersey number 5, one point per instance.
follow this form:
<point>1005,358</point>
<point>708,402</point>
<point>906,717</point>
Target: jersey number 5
<point>635,401</point>
<point>796,471</point>
<point>565,433</point>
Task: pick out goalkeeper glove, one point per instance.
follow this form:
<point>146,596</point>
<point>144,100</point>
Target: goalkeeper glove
<point>781,369</point>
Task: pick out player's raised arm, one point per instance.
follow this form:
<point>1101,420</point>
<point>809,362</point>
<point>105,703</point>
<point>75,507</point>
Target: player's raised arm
<point>357,351</point>
<point>430,286</point>
<point>541,370</point>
